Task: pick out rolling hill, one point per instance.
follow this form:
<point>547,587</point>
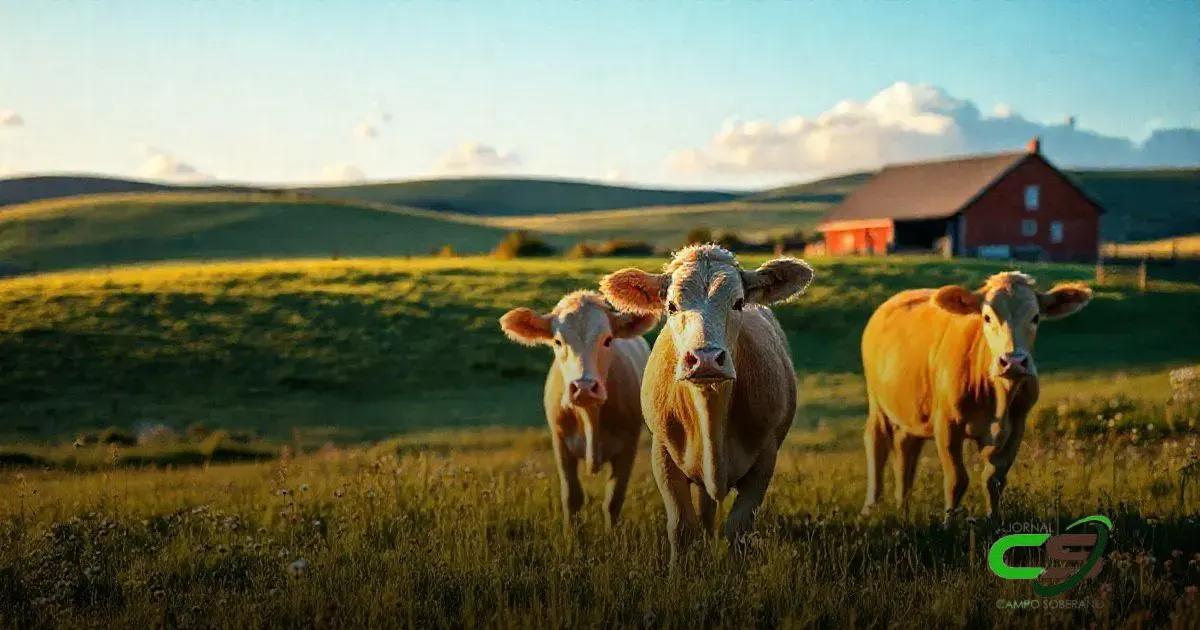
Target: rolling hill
<point>516,196</point>
<point>100,230</point>
<point>15,190</point>
<point>665,226</point>
<point>1145,204</point>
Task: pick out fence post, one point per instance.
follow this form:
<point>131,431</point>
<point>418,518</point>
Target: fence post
<point>1100,271</point>
<point>1142,275</point>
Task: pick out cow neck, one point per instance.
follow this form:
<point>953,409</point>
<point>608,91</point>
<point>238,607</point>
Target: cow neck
<point>980,378</point>
<point>710,406</point>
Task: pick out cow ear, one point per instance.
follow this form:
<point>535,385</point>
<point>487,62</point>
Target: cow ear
<point>526,327</point>
<point>958,300</point>
<point>1064,300</point>
<point>777,280</point>
<point>625,325</point>
<point>636,291</point>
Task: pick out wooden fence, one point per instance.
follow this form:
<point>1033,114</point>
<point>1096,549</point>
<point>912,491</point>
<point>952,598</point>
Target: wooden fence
<point>1111,270</point>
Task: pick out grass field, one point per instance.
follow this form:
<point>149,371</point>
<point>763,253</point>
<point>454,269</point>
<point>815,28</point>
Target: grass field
<point>410,480</point>
<point>463,530</point>
<point>354,350</point>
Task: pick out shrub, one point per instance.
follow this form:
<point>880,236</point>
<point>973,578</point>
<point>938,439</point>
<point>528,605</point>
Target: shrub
<point>156,434</point>
<point>118,436</point>
<point>445,251</point>
<point>698,235</point>
<point>611,247</point>
<point>729,240</point>
<point>620,247</point>
<point>197,431</point>
<point>581,250</point>
<point>522,244</point>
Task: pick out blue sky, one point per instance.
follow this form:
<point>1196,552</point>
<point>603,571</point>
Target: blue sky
<point>696,93</point>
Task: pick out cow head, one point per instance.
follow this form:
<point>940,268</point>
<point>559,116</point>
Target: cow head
<point>1011,308</point>
<point>581,329</point>
<point>702,291</point>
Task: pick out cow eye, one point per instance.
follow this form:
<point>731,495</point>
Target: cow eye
<point>672,308</point>
<point>557,342</point>
<point>1037,318</point>
<point>987,319</point>
<point>738,304</point>
<point>607,341</point>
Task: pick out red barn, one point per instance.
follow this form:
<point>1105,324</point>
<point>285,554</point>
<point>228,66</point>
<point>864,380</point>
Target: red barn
<point>1009,205</point>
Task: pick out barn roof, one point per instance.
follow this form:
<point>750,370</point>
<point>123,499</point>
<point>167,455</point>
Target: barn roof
<point>924,190</point>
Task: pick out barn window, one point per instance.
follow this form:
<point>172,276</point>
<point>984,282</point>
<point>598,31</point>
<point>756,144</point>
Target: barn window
<point>1028,227</point>
<point>1056,232</point>
<point>1032,194</point>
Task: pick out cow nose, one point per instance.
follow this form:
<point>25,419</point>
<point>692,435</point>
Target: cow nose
<point>1016,362</point>
<point>706,363</point>
<point>585,390</point>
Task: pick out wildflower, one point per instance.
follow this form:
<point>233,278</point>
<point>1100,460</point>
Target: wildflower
<point>158,595</point>
<point>222,549</point>
<point>298,567</point>
<point>303,487</point>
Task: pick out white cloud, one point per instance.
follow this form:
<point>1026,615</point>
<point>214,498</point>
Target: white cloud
<point>907,122</point>
<point>472,157</point>
<point>366,130</point>
<point>343,173</point>
<point>160,164</point>
<point>615,175</point>
<point>10,118</point>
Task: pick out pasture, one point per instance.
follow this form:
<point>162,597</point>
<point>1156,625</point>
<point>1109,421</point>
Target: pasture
<point>409,479</point>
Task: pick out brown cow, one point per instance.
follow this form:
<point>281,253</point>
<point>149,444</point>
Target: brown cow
<point>952,364</point>
<point>591,394</point>
<point>719,391</point>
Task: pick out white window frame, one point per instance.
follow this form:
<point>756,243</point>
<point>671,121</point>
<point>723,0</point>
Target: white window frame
<point>1029,228</point>
<point>1033,197</point>
<point>1056,232</point>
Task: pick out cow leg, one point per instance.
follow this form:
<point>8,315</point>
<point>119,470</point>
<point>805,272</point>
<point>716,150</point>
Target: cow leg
<point>568,478</point>
<point>677,498</point>
<point>954,472</point>
<point>997,462</point>
<point>618,483</point>
<point>750,492</point>
<point>708,509</point>
<point>908,452</point>
<point>877,438</point>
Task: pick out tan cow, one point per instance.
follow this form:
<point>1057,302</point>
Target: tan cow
<point>719,391</point>
<point>952,364</point>
<point>591,393</point>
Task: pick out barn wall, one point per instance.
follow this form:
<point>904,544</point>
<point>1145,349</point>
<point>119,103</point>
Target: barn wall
<point>995,218</point>
<point>855,241</point>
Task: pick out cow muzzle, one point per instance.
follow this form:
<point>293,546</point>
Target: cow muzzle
<point>1014,365</point>
<point>706,365</point>
<point>586,392</point>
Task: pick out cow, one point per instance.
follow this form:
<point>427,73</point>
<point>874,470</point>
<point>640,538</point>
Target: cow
<point>950,365</point>
<point>720,391</point>
<point>591,392</point>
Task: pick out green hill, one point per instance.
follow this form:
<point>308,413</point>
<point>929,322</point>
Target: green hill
<point>516,196</point>
<point>101,230</point>
<point>1145,204</point>
<point>829,190</point>
<point>15,190</point>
